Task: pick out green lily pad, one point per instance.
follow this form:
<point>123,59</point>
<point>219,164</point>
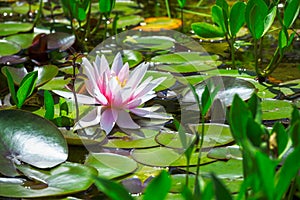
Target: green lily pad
<point>276,109</point>
<point>23,7</point>
<point>184,62</point>
<point>225,153</point>
<point>10,28</point>
<point>173,140</point>
<point>158,157</point>
<point>64,179</point>
<point>57,83</point>
<point>28,138</point>
<point>8,48</point>
<point>126,21</point>
<point>125,141</point>
<point>214,134</point>
<point>111,165</point>
<point>45,73</point>
<point>90,136</point>
<point>149,43</point>
<point>290,88</point>
<point>228,87</point>
<point>167,83</point>
<point>164,157</point>
<point>23,40</point>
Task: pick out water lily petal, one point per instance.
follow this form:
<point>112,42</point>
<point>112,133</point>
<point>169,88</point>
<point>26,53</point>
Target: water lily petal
<point>117,64</point>
<point>104,66</point>
<point>108,120</point>
<point>81,98</point>
<point>149,112</point>
<point>90,119</point>
<point>124,74</point>
<point>125,121</point>
<point>137,75</point>
<point>140,91</point>
<point>134,103</point>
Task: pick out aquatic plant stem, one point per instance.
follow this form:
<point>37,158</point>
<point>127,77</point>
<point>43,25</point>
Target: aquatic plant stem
<point>257,70</point>
<point>168,8</point>
<point>232,51</point>
<point>273,63</point>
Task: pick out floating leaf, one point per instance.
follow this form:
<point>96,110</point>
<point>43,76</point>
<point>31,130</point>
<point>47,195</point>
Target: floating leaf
<point>214,134</point>
<point>183,62</point>
<point>10,28</point>
<point>143,140</point>
<point>28,138</point>
<point>225,153</point>
<point>159,23</point>
<point>228,87</point>
<point>23,40</point>
<point>276,109</point>
<point>127,21</point>
<point>173,139</point>
<point>164,157</point>
<point>8,48</point>
<point>87,136</point>
<point>60,40</point>
<point>64,179</point>
<point>167,83</point>
<point>111,165</point>
<point>152,43</point>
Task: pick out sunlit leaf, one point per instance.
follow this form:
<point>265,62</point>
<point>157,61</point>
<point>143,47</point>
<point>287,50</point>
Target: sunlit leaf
<point>110,165</point>
<point>291,12</point>
<point>64,179</point>
<point>31,139</point>
<point>26,87</point>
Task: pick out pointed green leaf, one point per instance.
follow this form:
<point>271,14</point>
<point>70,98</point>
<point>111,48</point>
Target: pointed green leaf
<point>238,124</point>
<point>11,86</point>
<point>159,187</point>
<point>206,30</point>
<point>221,191</point>
<point>281,137</point>
<point>218,17</point>
<point>26,87</point>
<point>254,105</point>
<point>113,190</point>
<point>49,105</point>
<point>291,12</point>
<point>288,171</point>
<point>237,17</point>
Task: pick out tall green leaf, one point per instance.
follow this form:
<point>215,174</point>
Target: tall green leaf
<point>221,191</point>
<point>181,3</point>
<point>266,174</point>
<point>237,17</point>
<point>26,87</point>
<point>254,104</point>
<point>11,86</point>
<point>269,19</point>
<point>206,30</point>
<point>291,12</point>
<point>238,117</point>
<point>255,14</point>
<point>112,189</point>
<point>106,6</point>
<point>281,137</point>
<point>49,105</point>
<point>288,171</point>
<point>159,187</point>
<point>218,17</point>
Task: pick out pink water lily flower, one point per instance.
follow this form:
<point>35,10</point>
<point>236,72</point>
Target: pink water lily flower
<point>116,92</point>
